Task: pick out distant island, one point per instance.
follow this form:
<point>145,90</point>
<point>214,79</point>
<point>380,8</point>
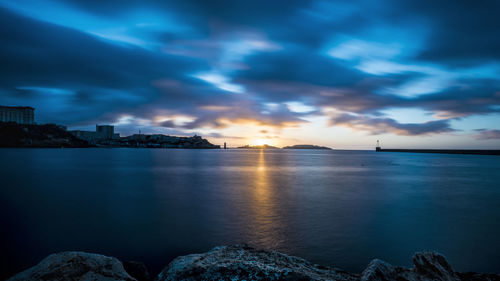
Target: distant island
<point>306,146</point>
<point>297,146</point>
<point>264,146</point>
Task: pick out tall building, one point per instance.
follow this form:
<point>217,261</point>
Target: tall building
<point>105,131</point>
<point>17,114</point>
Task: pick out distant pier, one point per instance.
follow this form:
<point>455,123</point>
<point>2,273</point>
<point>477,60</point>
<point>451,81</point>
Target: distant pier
<point>442,151</point>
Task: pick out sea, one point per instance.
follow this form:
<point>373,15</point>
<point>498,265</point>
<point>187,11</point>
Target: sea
<point>331,207</point>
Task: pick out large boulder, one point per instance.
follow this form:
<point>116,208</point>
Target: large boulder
<point>426,266</point>
<point>379,270</point>
<point>433,266</point>
<point>75,266</point>
<point>240,262</point>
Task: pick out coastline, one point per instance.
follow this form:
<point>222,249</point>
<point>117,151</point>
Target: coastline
<point>13,135</point>
<point>238,262</point>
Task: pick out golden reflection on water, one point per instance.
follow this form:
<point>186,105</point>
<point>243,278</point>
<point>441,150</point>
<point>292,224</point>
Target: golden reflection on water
<point>265,221</point>
<point>262,192</point>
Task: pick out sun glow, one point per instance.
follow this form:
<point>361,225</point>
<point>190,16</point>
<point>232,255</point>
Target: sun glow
<point>260,142</point>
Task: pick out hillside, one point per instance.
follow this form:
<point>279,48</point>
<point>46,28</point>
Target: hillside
<point>49,135</point>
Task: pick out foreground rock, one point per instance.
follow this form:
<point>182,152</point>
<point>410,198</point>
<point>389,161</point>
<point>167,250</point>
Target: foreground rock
<point>137,270</point>
<point>75,266</point>
<point>426,266</point>
<point>241,262</point>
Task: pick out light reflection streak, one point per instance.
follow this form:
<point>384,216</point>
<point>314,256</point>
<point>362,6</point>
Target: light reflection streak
<point>265,220</point>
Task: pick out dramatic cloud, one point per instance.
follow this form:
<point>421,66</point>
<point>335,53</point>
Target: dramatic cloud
<point>218,66</point>
<point>484,134</point>
<point>464,32</point>
<point>387,125</point>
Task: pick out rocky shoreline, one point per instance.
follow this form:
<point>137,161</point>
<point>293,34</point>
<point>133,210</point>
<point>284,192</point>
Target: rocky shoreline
<point>237,262</point>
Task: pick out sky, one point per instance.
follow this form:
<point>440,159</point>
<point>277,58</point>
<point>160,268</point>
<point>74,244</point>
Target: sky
<point>412,74</point>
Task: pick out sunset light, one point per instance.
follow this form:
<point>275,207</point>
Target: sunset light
<point>249,140</point>
<point>260,142</point>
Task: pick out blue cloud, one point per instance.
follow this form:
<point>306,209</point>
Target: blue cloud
<point>227,60</point>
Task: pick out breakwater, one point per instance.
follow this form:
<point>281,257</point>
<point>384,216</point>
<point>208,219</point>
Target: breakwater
<point>443,151</point>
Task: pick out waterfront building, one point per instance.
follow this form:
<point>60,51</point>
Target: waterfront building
<point>17,114</point>
<point>105,131</point>
<point>102,132</point>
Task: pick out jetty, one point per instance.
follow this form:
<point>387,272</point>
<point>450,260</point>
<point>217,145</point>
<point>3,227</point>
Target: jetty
<point>443,151</point>
<point>378,148</point>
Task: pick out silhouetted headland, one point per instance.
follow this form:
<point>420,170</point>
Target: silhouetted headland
<point>443,151</point>
<point>161,141</point>
<point>29,135</point>
<point>19,129</point>
<point>51,135</point>
<point>306,146</point>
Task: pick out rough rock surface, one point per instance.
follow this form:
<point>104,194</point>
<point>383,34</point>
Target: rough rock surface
<point>75,266</point>
<point>240,262</point>
<point>426,266</point>
<point>474,276</point>
<point>138,270</point>
<point>433,266</point>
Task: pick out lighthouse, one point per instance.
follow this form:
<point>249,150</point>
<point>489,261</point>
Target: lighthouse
<point>378,148</point>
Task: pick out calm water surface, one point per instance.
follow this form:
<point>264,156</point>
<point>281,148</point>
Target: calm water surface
<point>339,208</point>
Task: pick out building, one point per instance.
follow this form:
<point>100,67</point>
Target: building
<point>102,133</point>
<point>17,114</point>
<point>105,131</point>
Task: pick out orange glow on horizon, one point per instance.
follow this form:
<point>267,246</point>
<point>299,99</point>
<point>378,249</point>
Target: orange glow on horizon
<point>260,142</point>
